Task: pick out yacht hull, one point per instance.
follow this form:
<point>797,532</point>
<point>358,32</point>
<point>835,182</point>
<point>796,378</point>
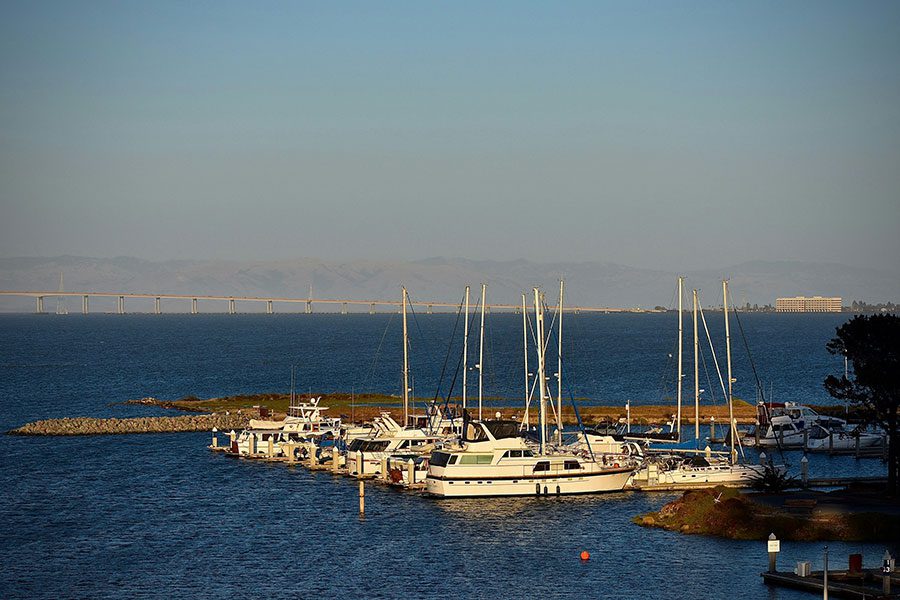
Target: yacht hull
<point>554,485</point>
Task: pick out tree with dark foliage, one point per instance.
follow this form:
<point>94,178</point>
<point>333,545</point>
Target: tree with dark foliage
<point>871,344</point>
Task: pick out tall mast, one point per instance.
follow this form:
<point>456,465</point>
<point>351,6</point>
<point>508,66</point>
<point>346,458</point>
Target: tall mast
<point>481,353</point>
<point>405,364</point>
<point>696,374</point>
<point>559,368</point>
<point>465,350</point>
<point>525,339</point>
<point>680,354</point>
<point>730,379</point>
<point>542,384</point>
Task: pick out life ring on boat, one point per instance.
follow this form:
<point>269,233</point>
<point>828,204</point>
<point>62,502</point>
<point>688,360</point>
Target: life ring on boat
<point>616,465</point>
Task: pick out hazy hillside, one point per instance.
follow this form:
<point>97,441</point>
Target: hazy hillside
<point>592,283</point>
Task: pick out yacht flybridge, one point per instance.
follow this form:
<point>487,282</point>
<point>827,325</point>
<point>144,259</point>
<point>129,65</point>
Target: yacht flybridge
<point>303,423</point>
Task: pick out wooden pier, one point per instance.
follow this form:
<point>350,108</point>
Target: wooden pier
<point>867,584</point>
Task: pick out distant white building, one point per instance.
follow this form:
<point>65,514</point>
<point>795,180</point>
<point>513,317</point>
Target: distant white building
<point>808,304</point>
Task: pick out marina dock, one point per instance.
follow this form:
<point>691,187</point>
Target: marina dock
<point>866,584</point>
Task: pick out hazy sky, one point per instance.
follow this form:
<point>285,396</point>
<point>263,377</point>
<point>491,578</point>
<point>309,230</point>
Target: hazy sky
<point>672,135</point>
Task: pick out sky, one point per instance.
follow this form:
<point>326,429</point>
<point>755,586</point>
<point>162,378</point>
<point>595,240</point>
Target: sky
<point>668,135</point>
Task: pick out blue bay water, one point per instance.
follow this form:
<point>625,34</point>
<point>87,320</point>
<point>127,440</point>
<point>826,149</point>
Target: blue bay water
<point>160,516</point>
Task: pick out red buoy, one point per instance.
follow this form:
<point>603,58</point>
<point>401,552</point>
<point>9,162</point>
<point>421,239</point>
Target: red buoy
<point>585,555</point>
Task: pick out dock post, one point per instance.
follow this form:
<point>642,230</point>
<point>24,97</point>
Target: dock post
<point>289,452</point>
<point>232,436</point>
<point>774,546</point>
<point>335,459</point>
<point>270,451</point>
<point>825,577</point>
<point>411,471</point>
<point>762,458</point>
<point>215,438</point>
<point>362,498</point>
<point>886,568</point>
<point>712,429</point>
<point>311,455</point>
<point>804,471</point>
<point>708,452</point>
<point>251,444</point>
<point>360,464</point>
<point>385,476</point>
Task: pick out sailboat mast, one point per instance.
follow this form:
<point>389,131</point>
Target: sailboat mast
<point>481,353</point>
<point>680,354</point>
<point>525,340</point>
<point>730,379</point>
<point>465,351</point>
<point>405,364</point>
<point>542,384</point>
<point>696,373</point>
<point>559,368</point>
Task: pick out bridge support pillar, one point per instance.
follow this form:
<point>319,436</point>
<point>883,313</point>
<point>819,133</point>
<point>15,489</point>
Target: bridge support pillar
<point>193,306</point>
<point>269,308</point>
<point>85,306</point>
<point>428,310</point>
<point>344,308</point>
<point>231,306</point>
<point>372,309</point>
<point>309,307</point>
<point>156,307</point>
<point>39,304</point>
<point>120,306</point>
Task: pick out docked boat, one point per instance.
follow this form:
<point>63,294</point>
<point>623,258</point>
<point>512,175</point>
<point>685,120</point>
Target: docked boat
<point>841,438</point>
<point>492,460</point>
<point>303,423</point>
<point>789,425</point>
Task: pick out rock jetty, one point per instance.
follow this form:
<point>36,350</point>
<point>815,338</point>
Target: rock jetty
<point>93,426</point>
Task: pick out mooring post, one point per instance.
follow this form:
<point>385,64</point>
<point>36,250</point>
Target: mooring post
<point>804,471</point>
<point>251,444</point>
<point>411,471</point>
<point>335,459</point>
<point>360,464</point>
<point>289,452</point>
<point>708,452</point>
<point>215,438</point>
<point>887,567</point>
<point>825,577</point>
<point>311,455</point>
<point>712,428</point>
<point>762,458</point>
<point>774,547</point>
<point>271,449</point>
<point>232,436</point>
<point>362,497</point>
<point>384,469</point>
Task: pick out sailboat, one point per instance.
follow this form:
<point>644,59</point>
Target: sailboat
<point>491,458</point>
<point>697,468</point>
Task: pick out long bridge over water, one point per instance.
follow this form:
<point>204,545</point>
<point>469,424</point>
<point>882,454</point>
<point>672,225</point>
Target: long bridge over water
<point>230,302</point>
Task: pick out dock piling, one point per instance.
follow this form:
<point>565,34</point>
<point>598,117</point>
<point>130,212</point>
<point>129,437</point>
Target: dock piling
<point>804,471</point>
<point>360,464</point>
<point>362,498</point>
<point>774,546</point>
<point>335,459</point>
<point>215,438</point>
<point>385,467</point>
<point>411,471</point>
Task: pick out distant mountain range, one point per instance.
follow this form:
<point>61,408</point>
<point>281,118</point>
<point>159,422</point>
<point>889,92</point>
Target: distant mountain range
<point>436,279</point>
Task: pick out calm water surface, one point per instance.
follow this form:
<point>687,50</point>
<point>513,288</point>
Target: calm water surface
<point>160,516</point>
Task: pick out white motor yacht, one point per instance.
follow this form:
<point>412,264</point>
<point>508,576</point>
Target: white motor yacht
<point>492,460</point>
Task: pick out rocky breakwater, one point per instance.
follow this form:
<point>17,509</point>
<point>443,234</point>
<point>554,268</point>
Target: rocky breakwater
<point>93,426</point>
